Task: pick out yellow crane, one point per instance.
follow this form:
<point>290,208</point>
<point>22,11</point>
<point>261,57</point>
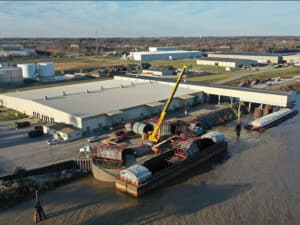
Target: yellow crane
<point>155,136</point>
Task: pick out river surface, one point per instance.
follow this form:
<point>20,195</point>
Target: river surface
<point>256,182</point>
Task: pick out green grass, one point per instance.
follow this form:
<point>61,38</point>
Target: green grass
<point>9,114</point>
<point>211,78</point>
<point>291,71</point>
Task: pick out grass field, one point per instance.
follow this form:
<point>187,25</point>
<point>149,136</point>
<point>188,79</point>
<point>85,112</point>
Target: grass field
<point>290,71</point>
<point>10,114</point>
<point>78,63</point>
<point>211,78</point>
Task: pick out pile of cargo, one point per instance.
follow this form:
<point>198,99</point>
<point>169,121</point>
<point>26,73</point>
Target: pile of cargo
<point>136,174</point>
<point>108,151</point>
<point>184,148</point>
<point>214,136</point>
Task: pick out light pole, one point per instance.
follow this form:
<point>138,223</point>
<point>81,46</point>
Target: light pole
<point>51,155</point>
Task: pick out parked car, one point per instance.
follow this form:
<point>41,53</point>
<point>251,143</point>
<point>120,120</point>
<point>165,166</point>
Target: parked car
<point>52,141</point>
<point>86,149</point>
<point>93,139</point>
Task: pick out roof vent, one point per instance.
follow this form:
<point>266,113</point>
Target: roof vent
<point>46,98</point>
<point>64,93</point>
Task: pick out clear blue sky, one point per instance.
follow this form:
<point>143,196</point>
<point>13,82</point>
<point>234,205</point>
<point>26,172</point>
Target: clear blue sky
<point>137,19</point>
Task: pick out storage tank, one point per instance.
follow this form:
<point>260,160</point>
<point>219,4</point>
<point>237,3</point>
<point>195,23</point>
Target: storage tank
<point>46,69</point>
<point>11,77</point>
<point>28,70</point>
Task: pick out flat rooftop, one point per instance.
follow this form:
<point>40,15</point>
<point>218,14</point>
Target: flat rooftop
<point>100,97</point>
<point>164,52</point>
<point>223,59</point>
<point>249,53</point>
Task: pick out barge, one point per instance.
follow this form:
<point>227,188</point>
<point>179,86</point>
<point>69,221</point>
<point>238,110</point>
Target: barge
<point>157,171</point>
<point>271,120</point>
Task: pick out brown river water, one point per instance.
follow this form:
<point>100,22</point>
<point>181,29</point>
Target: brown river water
<point>256,182</point>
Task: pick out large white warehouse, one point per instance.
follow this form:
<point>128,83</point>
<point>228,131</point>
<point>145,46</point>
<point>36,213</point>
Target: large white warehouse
<point>226,62</point>
<point>163,53</point>
<point>95,105</point>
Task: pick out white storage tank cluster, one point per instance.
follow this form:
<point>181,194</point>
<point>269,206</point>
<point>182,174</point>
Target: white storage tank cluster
<point>45,69</point>
<point>28,70</point>
<point>11,77</point>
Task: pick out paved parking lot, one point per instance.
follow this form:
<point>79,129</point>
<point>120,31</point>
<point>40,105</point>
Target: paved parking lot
<point>17,149</point>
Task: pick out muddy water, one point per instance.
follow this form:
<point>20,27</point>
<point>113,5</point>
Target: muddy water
<point>257,182</point>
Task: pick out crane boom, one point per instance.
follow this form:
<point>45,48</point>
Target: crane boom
<point>154,137</point>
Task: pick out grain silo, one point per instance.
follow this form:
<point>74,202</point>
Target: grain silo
<point>11,77</point>
<point>46,69</point>
<point>28,70</point>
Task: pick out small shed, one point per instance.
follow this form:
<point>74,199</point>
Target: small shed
<point>62,131</point>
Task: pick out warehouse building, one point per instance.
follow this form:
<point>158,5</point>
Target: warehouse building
<point>15,50</point>
<point>11,77</point>
<point>226,62</point>
<point>168,48</point>
<point>264,58</point>
<point>292,59</point>
<point>96,105</point>
<point>160,72</point>
<point>164,53</point>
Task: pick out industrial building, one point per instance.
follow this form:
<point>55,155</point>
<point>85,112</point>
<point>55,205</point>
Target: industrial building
<point>292,59</point>
<point>15,50</point>
<point>262,58</point>
<point>96,105</point>
<point>226,62</point>
<point>11,77</point>
<point>168,48</point>
<point>160,72</point>
<point>164,53</point>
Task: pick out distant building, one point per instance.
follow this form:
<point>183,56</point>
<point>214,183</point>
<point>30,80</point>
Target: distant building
<point>158,72</point>
<point>164,53</point>
<point>226,62</point>
<point>158,49</point>
<point>11,77</point>
<point>15,50</point>
<point>293,59</point>
<point>271,58</point>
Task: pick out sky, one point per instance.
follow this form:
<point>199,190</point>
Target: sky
<point>148,19</point>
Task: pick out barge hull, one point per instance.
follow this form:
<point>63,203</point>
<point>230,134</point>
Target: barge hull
<point>172,171</point>
<point>273,123</point>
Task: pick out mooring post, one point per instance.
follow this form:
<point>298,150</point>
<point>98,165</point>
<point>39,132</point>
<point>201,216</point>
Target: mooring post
<point>249,107</point>
<point>219,99</point>
<point>231,101</point>
<point>39,213</point>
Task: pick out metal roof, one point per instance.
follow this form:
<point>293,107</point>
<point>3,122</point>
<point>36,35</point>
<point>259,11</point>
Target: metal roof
<point>224,59</point>
<point>249,53</point>
<point>112,97</point>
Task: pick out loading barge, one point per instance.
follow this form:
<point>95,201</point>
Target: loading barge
<point>271,120</point>
<point>159,176</point>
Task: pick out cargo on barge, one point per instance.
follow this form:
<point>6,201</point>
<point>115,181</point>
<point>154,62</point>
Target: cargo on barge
<point>153,173</point>
<point>271,120</point>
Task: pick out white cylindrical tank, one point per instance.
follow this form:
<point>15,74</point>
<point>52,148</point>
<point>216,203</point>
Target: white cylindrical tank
<point>11,77</point>
<point>28,70</point>
<point>46,69</point>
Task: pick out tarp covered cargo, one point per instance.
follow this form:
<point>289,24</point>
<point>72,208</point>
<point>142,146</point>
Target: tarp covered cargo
<point>109,152</point>
<point>265,120</point>
<point>216,137</point>
<point>188,147</point>
<point>135,174</point>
